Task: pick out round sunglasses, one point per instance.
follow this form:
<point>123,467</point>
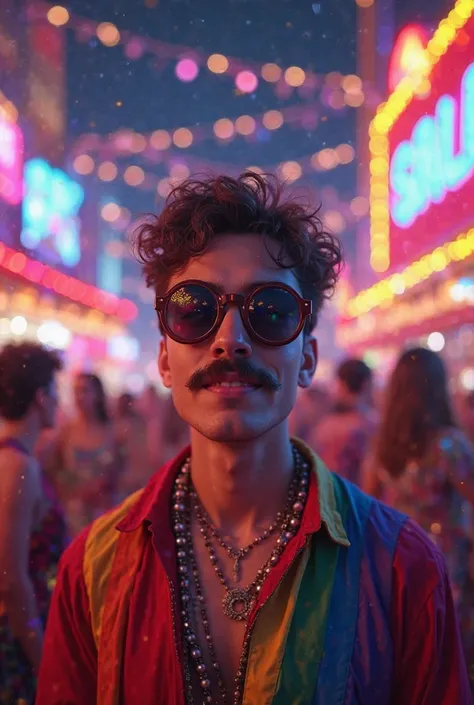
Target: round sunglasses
<point>272,313</point>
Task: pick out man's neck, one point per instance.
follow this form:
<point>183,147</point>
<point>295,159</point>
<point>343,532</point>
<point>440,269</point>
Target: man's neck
<point>243,486</point>
<point>25,431</point>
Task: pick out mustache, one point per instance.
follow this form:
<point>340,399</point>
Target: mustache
<point>243,368</point>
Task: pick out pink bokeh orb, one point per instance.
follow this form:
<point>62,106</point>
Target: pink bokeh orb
<point>186,70</point>
<point>246,81</point>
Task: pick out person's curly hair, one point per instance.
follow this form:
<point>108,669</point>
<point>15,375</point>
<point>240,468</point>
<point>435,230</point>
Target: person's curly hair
<point>200,209</point>
<point>25,368</point>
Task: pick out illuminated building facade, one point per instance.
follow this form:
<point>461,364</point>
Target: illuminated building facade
<point>421,209</point>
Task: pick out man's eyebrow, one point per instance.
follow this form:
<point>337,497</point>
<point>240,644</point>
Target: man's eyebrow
<point>245,289</point>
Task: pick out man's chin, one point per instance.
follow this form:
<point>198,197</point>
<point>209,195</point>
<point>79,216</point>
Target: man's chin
<point>231,427</point>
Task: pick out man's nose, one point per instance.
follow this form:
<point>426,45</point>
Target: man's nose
<point>231,339</point>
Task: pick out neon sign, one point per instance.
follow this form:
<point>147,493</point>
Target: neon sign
<point>11,162</point>
<point>51,205</point>
<point>438,158</point>
<point>408,56</point>
<point>422,152</point>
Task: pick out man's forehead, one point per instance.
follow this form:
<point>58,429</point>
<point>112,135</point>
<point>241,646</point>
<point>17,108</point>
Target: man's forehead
<point>237,262</point>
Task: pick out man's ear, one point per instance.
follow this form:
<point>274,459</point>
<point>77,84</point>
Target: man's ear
<point>309,361</point>
<point>163,364</point>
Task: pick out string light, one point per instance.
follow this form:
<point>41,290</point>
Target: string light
<point>110,212</point>
<point>134,176</point>
<point>272,119</point>
<point>245,125</point>
<point>108,34</point>
<point>271,73</point>
<point>294,76</point>
<point>186,70</point>
<point>84,164</point>
<point>182,137</point>
<point>107,171</point>
<point>291,171</point>
<point>218,63</point>
<point>224,128</point>
<point>246,81</point>
<point>160,140</point>
<point>58,16</point>
<point>384,291</point>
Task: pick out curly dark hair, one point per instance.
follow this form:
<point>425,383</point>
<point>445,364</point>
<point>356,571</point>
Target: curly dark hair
<point>200,209</point>
<point>417,407</point>
<point>25,368</point>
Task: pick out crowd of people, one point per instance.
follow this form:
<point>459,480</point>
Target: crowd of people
<point>354,600</point>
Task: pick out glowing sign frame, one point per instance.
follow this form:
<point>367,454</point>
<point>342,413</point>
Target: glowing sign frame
<point>51,203</point>
<point>11,162</point>
<point>394,116</point>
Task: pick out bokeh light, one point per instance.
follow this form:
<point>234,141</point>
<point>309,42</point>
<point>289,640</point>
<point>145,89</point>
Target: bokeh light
<point>58,16</point>
<point>217,63</point>
<point>245,125</point>
<point>351,84</point>
<point>271,73</point>
<point>164,188</point>
<point>291,171</point>
<point>182,137</point>
<point>364,3</point>
<point>134,175</point>
<point>134,49</point>
<point>108,34</point>
<point>179,171</point>
<point>224,128</point>
<point>186,70</point>
<point>272,119</point>
<point>354,100</point>
<point>345,153</point>
<point>138,143</point>
<point>295,76</point>
<point>246,81</point>
<point>359,206</point>
<point>436,341</point>
<point>160,139</point>
<point>327,159</point>
<point>110,212</point>
<point>84,164</point>
<point>336,100</point>
<point>107,171</point>
<point>334,221</point>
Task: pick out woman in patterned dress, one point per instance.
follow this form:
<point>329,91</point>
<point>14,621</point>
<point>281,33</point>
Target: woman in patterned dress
<point>32,529</point>
<point>423,465</point>
<point>84,466</point>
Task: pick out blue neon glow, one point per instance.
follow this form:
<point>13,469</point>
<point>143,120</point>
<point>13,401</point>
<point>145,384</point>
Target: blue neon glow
<point>50,211</point>
<point>429,165</point>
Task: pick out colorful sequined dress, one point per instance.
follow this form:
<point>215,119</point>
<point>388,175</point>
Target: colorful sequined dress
<point>47,542</point>
<point>437,493</point>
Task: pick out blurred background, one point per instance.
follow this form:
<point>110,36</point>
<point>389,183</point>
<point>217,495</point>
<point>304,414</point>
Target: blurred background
<point>105,105</point>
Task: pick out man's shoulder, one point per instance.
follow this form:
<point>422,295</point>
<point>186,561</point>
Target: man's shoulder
<point>99,537</point>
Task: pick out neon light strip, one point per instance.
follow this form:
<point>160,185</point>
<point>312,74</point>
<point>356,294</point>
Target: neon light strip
<point>69,287</point>
<point>387,114</point>
<point>387,289</point>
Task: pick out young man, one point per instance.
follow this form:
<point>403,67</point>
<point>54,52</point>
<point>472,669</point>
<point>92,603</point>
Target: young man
<point>246,572</point>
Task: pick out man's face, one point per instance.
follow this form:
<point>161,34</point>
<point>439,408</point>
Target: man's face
<point>235,263</point>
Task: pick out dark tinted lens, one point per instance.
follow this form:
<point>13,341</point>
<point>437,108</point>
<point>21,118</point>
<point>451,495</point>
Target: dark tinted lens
<point>274,314</point>
<point>191,311</point>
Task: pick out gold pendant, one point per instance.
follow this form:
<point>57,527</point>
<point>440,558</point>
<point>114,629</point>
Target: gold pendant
<point>237,604</point>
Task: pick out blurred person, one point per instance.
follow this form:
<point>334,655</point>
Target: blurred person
<point>310,408</point>
<point>174,432</point>
<point>152,405</point>
<point>343,436</point>
<point>423,465</point>
<point>32,528</point>
<point>131,442</point>
<point>468,415</point>
<point>246,571</point>
<point>85,464</point>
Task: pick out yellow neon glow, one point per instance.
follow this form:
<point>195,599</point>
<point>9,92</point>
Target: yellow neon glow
<point>387,113</point>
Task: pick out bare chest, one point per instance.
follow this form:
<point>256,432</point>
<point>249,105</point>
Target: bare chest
<point>220,637</point>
